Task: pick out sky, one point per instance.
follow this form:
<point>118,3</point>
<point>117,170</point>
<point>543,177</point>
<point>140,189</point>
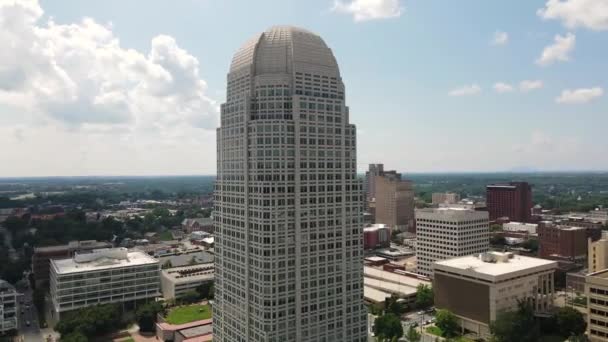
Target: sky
<point>134,87</point>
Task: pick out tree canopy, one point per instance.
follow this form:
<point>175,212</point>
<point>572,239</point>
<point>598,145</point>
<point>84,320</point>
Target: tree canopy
<point>146,315</point>
<point>517,325</point>
<point>447,322</point>
<point>90,321</point>
<point>388,327</point>
<point>424,296</point>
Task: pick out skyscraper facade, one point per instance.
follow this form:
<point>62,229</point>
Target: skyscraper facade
<point>394,201</point>
<point>288,204</point>
<point>512,200</point>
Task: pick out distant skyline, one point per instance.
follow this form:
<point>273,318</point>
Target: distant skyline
<point>134,88</point>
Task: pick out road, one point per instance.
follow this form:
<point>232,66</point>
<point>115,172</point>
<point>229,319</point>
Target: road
<point>31,332</point>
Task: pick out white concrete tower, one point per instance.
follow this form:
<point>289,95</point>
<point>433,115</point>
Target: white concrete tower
<point>288,205</point>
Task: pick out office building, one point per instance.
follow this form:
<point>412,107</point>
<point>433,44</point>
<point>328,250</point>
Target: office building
<point>445,198</point>
<point>177,281</point>
<point>596,291</point>
<point>376,236</point>
<point>288,204</point>
<point>445,233</point>
<point>41,259</point>
<point>512,201</point>
<point>394,201</point>
<point>8,307</point>
<point>597,259</point>
<point>369,187</point>
<point>102,276</point>
<point>559,242</point>
<point>477,288</point>
<point>529,228</point>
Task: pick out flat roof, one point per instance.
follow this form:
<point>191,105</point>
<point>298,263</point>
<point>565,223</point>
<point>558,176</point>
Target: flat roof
<point>190,273</point>
<point>474,265</point>
<point>371,272</point>
<point>197,331</point>
<point>374,295</point>
<point>390,287</point>
<point>134,258</point>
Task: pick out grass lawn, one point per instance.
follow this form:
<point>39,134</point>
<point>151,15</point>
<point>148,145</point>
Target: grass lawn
<point>166,236</point>
<point>187,314</point>
<point>434,330</point>
<point>130,339</point>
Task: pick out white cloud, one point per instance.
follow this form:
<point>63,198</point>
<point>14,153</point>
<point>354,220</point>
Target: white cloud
<point>503,87</point>
<point>364,10</point>
<point>529,85</point>
<point>472,89</point>
<point>558,51</point>
<point>500,38</point>
<point>592,14</point>
<point>577,96</point>
<point>76,79</point>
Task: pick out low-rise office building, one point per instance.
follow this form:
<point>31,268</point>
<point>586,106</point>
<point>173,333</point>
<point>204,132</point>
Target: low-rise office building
<point>529,228</point>
<point>102,276</point>
<point>498,281</point>
<point>8,307</point>
<point>41,259</point>
<point>596,290</point>
<point>597,259</point>
<point>560,242</point>
<point>177,281</point>
<point>379,284</point>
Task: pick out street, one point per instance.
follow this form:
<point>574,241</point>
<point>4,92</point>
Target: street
<point>32,332</point>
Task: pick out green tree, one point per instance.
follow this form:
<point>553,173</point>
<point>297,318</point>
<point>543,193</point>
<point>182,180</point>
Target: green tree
<point>392,305</point>
<point>15,224</point>
<point>167,264</point>
<point>91,321</point>
<point>517,325</point>
<point>146,315</point>
<point>412,335</point>
<point>447,322</point>
<point>424,296</point>
<point>498,240</point>
<point>74,337</point>
<point>387,327</point>
<point>205,290</point>
<point>570,322</point>
<point>531,245</point>
<point>189,297</point>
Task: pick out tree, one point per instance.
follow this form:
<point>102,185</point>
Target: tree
<point>517,325</point>
<point>570,322</point>
<point>15,224</point>
<point>74,337</point>
<point>205,290</point>
<point>424,296</point>
<point>167,264</point>
<point>530,244</point>
<point>387,327</point>
<point>498,240</point>
<point>146,315</point>
<point>189,297</point>
<point>392,305</point>
<point>91,321</point>
<point>412,335</point>
<point>447,322</point>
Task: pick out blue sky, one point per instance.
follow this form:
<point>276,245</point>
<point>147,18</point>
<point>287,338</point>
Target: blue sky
<point>399,67</point>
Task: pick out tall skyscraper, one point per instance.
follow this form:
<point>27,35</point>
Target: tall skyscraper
<point>369,186</point>
<point>288,204</point>
<point>446,233</point>
<point>512,200</point>
<point>394,201</point>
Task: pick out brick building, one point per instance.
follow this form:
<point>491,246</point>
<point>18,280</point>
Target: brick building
<point>560,242</point>
<point>512,200</point>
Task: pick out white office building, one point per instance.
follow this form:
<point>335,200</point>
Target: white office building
<point>103,276</point>
<point>529,228</point>
<point>177,281</point>
<point>288,204</point>
<point>8,307</point>
<point>478,288</point>
<point>444,233</point>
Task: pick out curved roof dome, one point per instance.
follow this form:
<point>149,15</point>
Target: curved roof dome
<point>280,49</point>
